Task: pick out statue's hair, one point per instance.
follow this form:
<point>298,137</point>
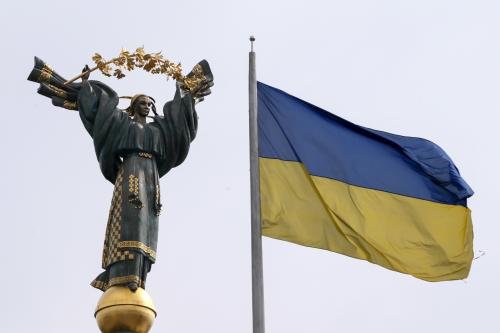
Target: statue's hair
<point>130,110</point>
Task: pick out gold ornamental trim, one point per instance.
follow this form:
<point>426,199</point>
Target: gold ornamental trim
<point>138,245</point>
<point>58,92</point>
<point>45,74</point>
<point>133,184</point>
<point>118,255</point>
<point>117,281</point>
<point>99,285</point>
<point>145,155</point>
<point>124,279</point>
<point>70,105</point>
<point>113,228</point>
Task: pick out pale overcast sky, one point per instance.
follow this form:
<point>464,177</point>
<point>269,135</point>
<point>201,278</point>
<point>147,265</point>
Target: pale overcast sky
<point>427,68</point>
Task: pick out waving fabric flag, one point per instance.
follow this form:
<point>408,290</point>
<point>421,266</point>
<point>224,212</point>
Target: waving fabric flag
<point>395,201</point>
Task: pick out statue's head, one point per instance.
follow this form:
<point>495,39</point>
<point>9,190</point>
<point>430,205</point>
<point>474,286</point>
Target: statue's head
<point>141,105</point>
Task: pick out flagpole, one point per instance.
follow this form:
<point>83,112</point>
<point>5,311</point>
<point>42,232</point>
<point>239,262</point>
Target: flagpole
<point>257,272</point>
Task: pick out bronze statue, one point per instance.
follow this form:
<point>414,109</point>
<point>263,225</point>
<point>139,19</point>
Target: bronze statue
<point>133,154</point>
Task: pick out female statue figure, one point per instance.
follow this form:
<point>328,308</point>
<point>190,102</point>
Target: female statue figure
<point>133,154</point>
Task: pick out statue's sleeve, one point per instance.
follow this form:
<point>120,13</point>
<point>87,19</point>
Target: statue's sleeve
<point>106,124</point>
<point>178,127</point>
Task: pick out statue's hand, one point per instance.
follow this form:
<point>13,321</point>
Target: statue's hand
<point>180,89</point>
<point>199,93</point>
<point>203,90</point>
<point>87,75</point>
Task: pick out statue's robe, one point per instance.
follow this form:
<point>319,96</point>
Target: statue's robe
<point>132,156</point>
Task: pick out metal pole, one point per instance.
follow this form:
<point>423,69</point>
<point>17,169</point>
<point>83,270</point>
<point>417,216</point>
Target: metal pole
<point>257,274</point>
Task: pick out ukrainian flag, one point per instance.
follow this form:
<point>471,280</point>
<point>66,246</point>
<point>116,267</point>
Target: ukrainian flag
<point>396,201</point>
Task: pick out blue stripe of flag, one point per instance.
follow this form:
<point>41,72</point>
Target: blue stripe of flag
<point>293,130</point>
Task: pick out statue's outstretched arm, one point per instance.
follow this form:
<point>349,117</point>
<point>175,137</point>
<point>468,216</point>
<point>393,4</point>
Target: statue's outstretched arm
<point>52,86</point>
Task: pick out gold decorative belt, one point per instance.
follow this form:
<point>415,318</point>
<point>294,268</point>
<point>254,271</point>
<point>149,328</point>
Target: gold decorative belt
<point>145,155</point>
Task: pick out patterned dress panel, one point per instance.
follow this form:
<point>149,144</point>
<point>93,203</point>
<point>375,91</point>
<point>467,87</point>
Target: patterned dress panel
<point>111,252</point>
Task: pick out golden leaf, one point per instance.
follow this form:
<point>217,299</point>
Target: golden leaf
<point>106,70</point>
<point>97,58</point>
<point>140,51</point>
<point>130,63</point>
<point>177,76</point>
<point>120,61</point>
<point>149,65</point>
<point>118,73</point>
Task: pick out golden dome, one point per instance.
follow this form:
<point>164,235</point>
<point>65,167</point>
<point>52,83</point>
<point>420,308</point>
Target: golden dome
<point>120,309</point>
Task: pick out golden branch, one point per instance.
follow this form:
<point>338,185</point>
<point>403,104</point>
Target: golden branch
<point>153,63</point>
